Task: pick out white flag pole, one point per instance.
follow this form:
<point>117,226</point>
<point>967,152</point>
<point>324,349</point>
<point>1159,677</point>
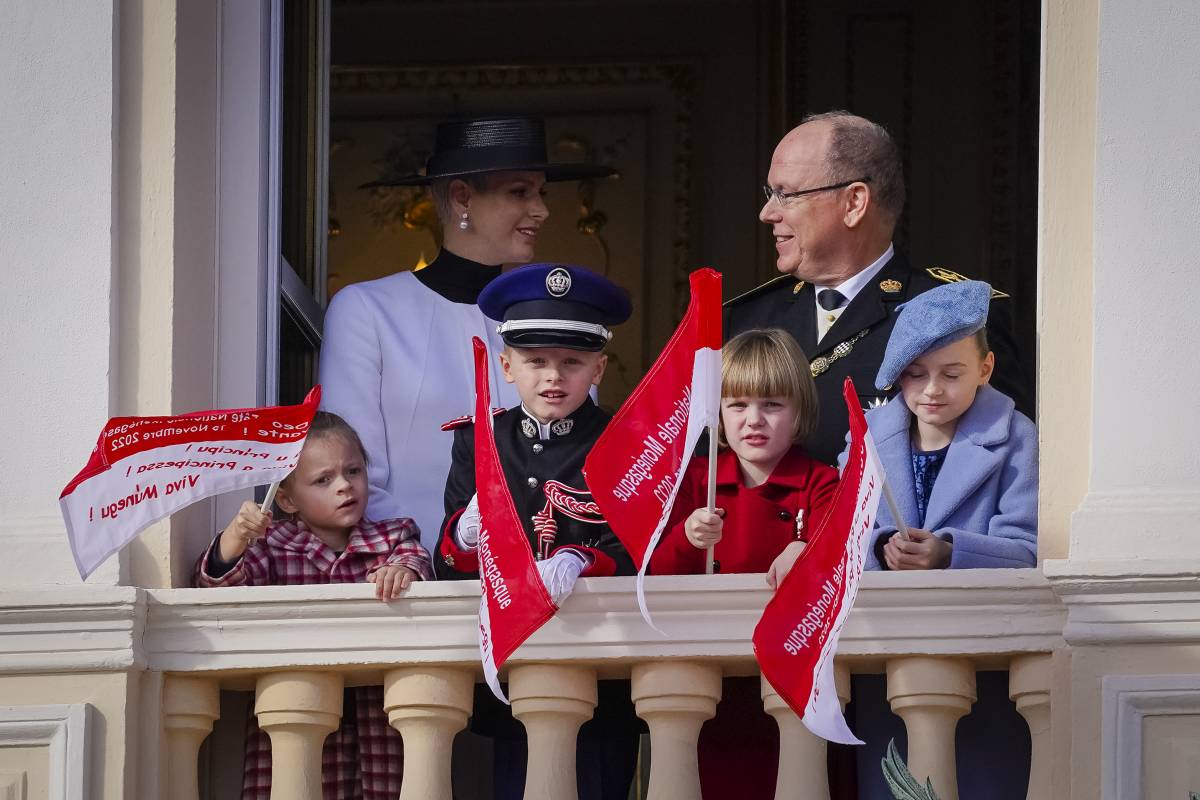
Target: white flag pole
<point>894,509</point>
<point>270,498</point>
<point>712,490</point>
<point>266,504</point>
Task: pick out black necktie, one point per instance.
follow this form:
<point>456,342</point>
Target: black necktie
<point>830,299</point>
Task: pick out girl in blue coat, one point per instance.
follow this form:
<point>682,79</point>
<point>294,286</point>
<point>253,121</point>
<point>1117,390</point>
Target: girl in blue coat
<point>962,462</point>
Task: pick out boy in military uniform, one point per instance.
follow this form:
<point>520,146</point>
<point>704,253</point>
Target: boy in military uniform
<point>554,329</point>
<point>555,322</point>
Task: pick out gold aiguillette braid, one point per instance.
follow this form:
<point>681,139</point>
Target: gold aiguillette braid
<point>822,364</point>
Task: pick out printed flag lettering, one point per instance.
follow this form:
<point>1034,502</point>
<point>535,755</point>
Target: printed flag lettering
<point>796,638</point>
<point>636,466</point>
<point>513,601</point>
<point>145,468</point>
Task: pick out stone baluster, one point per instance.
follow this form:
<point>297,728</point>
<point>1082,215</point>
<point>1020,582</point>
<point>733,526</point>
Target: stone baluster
<point>930,694</point>
<point>1029,679</point>
<point>428,706</point>
<point>803,771</point>
<point>551,702</point>
<point>675,698</point>
<point>190,705</point>
<point>841,680</point>
<point>298,710</point>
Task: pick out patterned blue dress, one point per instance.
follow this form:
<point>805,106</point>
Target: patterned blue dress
<point>925,467</point>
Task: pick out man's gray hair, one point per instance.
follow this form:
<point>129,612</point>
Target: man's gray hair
<point>439,190</point>
<point>858,148</point>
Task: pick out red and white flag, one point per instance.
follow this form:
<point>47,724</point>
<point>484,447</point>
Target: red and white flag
<point>513,601</point>
<point>145,468</point>
<point>796,639</point>
<point>637,464</point>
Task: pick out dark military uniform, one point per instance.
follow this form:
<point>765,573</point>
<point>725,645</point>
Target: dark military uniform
<point>545,478</point>
<point>855,345</point>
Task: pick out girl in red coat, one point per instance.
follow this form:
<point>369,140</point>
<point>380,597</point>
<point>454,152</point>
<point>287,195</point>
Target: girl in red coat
<point>769,492</point>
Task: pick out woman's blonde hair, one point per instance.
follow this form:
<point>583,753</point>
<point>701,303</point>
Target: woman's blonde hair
<point>439,190</point>
<point>769,363</point>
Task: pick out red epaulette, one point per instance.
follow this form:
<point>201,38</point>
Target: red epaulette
<point>467,419</point>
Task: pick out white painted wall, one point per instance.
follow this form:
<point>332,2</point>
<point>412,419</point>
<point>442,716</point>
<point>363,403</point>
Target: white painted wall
<point>1066,170</point>
<point>1144,496</point>
<point>57,175</point>
<point>105,773</point>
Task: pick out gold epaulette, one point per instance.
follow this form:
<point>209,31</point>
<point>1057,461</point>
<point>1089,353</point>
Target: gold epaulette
<point>763,287</point>
<point>467,419</point>
<point>950,276</point>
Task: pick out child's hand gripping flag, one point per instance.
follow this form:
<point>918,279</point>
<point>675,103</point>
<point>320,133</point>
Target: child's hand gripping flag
<point>796,639</point>
<point>637,464</point>
<point>145,468</point>
<point>513,601</point>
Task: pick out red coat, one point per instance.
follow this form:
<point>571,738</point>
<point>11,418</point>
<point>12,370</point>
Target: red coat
<point>739,747</point>
<point>759,522</point>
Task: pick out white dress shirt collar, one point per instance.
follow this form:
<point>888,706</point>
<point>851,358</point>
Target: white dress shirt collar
<point>543,427</point>
<point>851,287</point>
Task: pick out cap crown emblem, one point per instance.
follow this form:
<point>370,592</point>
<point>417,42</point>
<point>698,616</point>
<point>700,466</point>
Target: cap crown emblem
<point>558,282</point>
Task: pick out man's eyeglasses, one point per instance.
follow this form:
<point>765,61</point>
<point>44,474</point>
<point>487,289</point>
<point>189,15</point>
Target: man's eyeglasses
<point>785,198</point>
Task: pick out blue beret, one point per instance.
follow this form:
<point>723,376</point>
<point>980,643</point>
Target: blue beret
<point>555,305</point>
<point>930,320</point>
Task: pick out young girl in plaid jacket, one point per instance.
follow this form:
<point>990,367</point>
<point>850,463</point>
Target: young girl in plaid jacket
<point>325,541</point>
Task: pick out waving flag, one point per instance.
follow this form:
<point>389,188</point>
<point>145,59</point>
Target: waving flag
<point>145,468</point>
<point>796,639</point>
<point>513,602</point>
<point>635,467</point>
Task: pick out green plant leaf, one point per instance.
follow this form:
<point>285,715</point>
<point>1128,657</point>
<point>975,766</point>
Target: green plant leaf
<point>901,782</point>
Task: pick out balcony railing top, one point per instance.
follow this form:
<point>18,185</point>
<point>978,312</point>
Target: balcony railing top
<point>977,613</point>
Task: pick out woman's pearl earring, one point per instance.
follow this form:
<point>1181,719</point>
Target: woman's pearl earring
<point>462,224</point>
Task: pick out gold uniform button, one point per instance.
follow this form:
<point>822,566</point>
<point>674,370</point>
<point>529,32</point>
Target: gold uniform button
<point>830,318</point>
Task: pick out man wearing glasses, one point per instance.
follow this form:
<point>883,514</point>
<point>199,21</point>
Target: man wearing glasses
<point>835,190</point>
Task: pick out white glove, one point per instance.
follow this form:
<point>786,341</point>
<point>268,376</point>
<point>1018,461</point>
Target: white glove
<point>559,573</point>
<point>466,532</point>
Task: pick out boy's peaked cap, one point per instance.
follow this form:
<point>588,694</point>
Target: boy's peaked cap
<point>555,305</point>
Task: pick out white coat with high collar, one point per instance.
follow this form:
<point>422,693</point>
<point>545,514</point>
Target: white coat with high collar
<point>396,363</point>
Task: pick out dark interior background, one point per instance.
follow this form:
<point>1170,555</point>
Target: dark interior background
<point>687,98</point>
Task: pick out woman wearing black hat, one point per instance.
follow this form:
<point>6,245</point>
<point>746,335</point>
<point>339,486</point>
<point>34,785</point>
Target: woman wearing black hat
<point>396,361</point>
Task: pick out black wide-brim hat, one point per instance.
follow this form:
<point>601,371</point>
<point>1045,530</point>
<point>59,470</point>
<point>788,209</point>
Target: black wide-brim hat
<point>477,146</point>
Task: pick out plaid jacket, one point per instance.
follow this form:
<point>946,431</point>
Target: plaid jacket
<point>290,555</point>
<point>363,758</point>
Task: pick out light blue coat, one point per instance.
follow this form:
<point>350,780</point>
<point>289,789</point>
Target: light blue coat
<point>984,501</point>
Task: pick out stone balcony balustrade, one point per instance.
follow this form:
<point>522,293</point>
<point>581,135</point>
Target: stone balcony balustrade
<point>296,647</point>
